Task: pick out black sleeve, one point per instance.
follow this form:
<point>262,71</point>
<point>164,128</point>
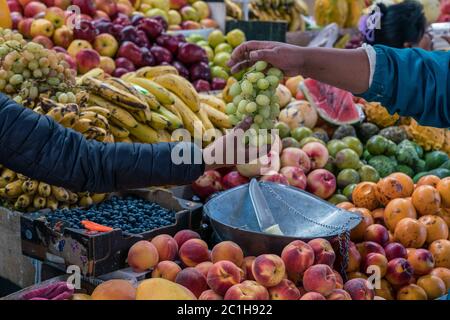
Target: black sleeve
<point>38,147</point>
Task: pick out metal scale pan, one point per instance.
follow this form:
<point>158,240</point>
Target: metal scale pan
<point>299,214</point>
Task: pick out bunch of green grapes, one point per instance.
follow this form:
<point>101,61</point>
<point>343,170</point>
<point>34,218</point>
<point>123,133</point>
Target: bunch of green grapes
<point>255,96</point>
<point>27,69</point>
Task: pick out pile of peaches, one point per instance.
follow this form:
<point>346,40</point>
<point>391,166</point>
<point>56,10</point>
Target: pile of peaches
<point>405,233</point>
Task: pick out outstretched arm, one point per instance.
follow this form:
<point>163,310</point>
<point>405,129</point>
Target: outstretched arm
<point>41,149</point>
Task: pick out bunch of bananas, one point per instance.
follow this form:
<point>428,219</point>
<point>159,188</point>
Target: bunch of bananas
<point>290,11</point>
<point>234,10</point>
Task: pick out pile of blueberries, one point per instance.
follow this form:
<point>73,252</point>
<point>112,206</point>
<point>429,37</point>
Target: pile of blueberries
<point>131,214</point>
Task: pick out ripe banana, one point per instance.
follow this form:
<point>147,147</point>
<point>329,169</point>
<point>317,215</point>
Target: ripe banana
<point>73,197</point>
<point>144,133</point>
<point>60,194</point>
<point>153,72</point>
<point>190,121</point>
<point>99,110</point>
<point>164,136</point>
<point>144,116</point>
<point>173,110</point>
<point>109,138</point>
<point>44,189</point>
<point>219,119</point>
<point>86,201</point>
<point>69,119</point>
<point>203,116</point>
<point>113,94</point>
<point>48,104</point>
<point>97,119</point>
<point>213,101</point>
<point>82,125</point>
<point>23,202</point>
<point>98,197</point>
<point>30,187</point>
<point>95,133</point>
<point>39,202</point>
<point>6,177</point>
<point>96,73</point>
<point>14,189</point>
<point>117,113</point>
<point>160,93</point>
<point>159,122</point>
<point>57,113</point>
<point>52,203</point>
<point>182,88</point>
<point>119,132</point>
<point>175,121</point>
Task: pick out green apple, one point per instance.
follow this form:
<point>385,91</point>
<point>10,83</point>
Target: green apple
<point>235,37</point>
<point>157,12</point>
<point>215,38</point>
<point>221,59</point>
<point>223,47</point>
<point>194,38</point>
<point>209,52</point>
<point>219,72</point>
<point>203,43</point>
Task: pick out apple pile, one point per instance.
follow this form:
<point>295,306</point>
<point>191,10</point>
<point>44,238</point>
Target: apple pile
<point>179,14</point>
<point>303,271</point>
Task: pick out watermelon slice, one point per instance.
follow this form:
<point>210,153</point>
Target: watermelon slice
<point>334,105</point>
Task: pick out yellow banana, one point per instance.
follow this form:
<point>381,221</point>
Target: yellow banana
<point>182,88</point>
<point>82,125</point>
<point>203,116</point>
<point>69,119</point>
<point>219,119</point>
<point>14,189</point>
<point>85,201</point>
<point>23,202</point>
<point>57,113</point>
<point>160,93</point>
<point>52,203</point>
<point>95,133</point>
<point>213,101</point>
<point>113,94</point>
<point>6,177</point>
<point>30,187</point>
<point>99,110</point>
<point>190,121</point>
<point>175,111</point>
<point>60,194</point>
<point>175,121</point>
<point>44,189</point>
<point>164,136</point>
<point>144,133</point>
<point>153,72</point>
<point>119,132</point>
<point>22,177</point>
<point>73,197</point>
<point>48,104</point>
<point>97,119</point>
<point>96,73</point>
<point>98,197</point>
<point>117,113</point>
<point>159,122</point>
<point>39,202</point>
<point>109,138</point>
<point>142,116</point>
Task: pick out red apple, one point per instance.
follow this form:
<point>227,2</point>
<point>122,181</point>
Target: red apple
<point>85,31</point>
<point>44,41</point>
<point>132,52</point>
<point>33,8</point>
<point>55,15</point>
<point>16,17</point>
<point>207,184</point>
<point>295,176</point>
<point>63,4</point>
<point>233,179</point>
<point>63,37</point>
<point>14,6</point>
<point>107,6</point>
<point>106,45</point>
<point>87,59</point>
<point>178,4</point>
<point>24,27</point>
<point>71,61</point>
<point>86,6</point>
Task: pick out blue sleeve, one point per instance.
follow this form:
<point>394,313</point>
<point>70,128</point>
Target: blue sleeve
<point>40,148</point>
<point>413,82</point>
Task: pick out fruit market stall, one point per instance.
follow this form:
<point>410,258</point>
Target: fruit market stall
<point>138,71</point>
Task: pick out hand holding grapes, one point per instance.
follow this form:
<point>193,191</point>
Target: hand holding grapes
<point>283,56</point>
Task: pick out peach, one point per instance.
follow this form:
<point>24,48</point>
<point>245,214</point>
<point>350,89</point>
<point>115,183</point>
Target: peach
<point>162,289</point>
<point>317,153</point>
<point>375,259</point>
<point>142,256</point>
<point>436,227</point>
<point>339,280</point>
<point>377,233</point>
<point>297,256</point>
<point>356,275</point>
<point>359,289</point>
<point>367,247</point>
<point>312,296</point>
<point>210,295</point>
<point>247,290</point>
<point>285,290</point>
<point>444,190</point>
<point>295,157</point>
<point>227,250</point>
<point>440,249</point>
<point>268,270</point>
<point>184,235</point>
<point>354,257</point>
<point>385,290</point>
<point>421,260</point>
<point>432,285</point>
<point>339,294</point>
<point>319,278</point>
<point>167,270</point>
<point>411,233</point>
<point>193,252</point>
<point>357,234</point>
<point>192,279</point>
<point>295,176</point>
<point>395,250</point>
<point>399,272</point>
<point>114,290</point>
<point>87,59</point>
<point>412,292</point>
<point>321,183</point>
<point>204,267</point>
<point>247,267</point>
<point>107,64</point>
<point>222,276</point>
<point>323,252</point>
<point>444,274</point>
<point>167,247</point>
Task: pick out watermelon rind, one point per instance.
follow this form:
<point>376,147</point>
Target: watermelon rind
<point>325,116</point>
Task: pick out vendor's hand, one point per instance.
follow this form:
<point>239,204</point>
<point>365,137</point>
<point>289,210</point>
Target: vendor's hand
<point>286,57</point>
<point>229,150</point>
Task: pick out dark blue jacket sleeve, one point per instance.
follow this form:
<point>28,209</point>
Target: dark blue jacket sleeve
<point>413,82</point>
<point>38,147</point>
